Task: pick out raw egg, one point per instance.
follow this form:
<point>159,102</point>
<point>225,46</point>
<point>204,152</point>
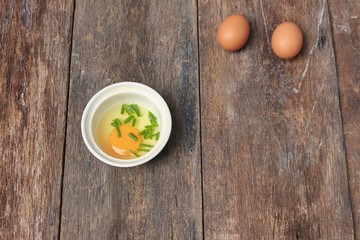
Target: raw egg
<point>127,131</point>
<point>233,32</point>
<point>287,40</point>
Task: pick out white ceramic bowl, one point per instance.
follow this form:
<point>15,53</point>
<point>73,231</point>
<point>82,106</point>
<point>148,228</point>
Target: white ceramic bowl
<point>116,94</point>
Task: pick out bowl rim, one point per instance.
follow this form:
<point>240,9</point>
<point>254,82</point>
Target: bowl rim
<point>117,89</point>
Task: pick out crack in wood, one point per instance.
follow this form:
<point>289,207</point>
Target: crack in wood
<point>21,95</point>
<point>265,25</point>
<point>304,74</point>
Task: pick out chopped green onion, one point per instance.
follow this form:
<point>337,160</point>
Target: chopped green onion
<point>149,133</point>
<point>157,136</point>
<point>133,137</point>
<point>131,108</point>
<point>133,153</point>
<point>116,123</point>
<point>118,132</point>
<point>136,109</point>
<point>133,111</point>
<point>143,150</point>
<point>144,132</point>
<point>128,119</point>
<point>152,116</point>
<point>145,145</point>
<point>128,109</point>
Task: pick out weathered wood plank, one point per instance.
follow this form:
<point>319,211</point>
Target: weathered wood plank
<point>34,56</point>
<point>273,157</point>
<point>153,42</point>
<point>345,18</point>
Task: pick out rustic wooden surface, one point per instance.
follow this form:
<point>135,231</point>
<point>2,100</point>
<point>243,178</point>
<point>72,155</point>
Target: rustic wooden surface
<point>281,172</point>
<point>156,44</point>
<point>261,148</point>
<point>34,63</point>
<point>345,17</point>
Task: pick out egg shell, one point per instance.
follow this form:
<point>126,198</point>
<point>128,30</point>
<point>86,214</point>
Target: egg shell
<point>233,32</point>
<point>287,40</point>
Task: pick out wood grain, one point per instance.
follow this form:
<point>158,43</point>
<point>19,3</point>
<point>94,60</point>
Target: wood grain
<point>280,139</point>
<point>152,42</point>
<point>34,56</point>
<point>345,18</point>
<point>272,141</point>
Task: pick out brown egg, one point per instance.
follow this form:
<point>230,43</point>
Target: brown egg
<point>287,40</point>
<point>233,32</point>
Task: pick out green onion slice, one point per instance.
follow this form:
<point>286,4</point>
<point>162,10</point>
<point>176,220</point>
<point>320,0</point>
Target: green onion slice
<point>133,137</point>
<point>145,145</point>
<point>157,136</point>
<point>136,109</point>
<point>133,153</point>
<point>128,119</point>
<point>143,150</point>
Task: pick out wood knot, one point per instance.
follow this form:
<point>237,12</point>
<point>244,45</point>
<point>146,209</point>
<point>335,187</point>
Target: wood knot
<point>20,95</point>
<point>321,42</point>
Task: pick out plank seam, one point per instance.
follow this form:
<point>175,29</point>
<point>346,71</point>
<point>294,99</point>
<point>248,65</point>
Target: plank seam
<point>200,116</point>
<point>71,33</point>
<point>342,123</point>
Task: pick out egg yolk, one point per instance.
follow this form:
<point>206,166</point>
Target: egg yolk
<point>129,140</point>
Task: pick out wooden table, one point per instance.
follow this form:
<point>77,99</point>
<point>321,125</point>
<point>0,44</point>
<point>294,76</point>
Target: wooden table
<point>261,148</point>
